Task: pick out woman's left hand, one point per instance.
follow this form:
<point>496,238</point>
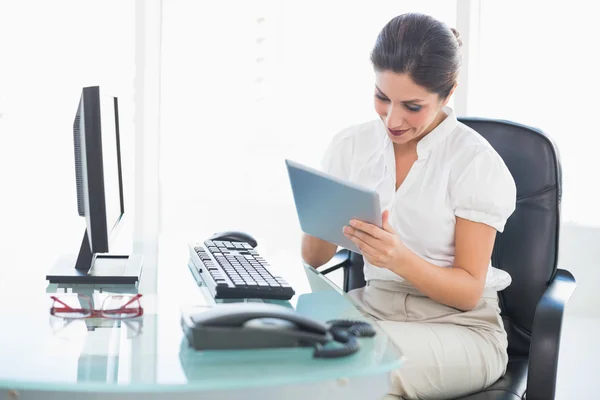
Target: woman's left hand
<point>381,247</point>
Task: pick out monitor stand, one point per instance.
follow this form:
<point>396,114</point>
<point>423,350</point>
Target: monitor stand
<point>97,268</point>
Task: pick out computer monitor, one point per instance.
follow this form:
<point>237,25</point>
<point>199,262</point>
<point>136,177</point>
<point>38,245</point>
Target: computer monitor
<point>99,182</point>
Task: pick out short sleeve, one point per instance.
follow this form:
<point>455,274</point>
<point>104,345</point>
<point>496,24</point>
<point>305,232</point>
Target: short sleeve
<point>338,157</point>
<point>485,191</point>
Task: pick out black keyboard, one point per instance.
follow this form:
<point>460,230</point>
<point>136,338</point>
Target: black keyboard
<point>234,270</point>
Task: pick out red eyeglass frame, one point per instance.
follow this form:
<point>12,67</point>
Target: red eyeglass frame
<point>139,311</point>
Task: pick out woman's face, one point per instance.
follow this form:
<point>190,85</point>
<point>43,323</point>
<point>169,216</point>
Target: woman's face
<point>408,110</point>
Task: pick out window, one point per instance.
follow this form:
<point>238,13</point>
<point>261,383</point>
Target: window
<point>543,72</point>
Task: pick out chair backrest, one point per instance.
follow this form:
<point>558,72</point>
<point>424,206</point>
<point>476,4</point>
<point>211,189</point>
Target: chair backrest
<point>354,277</point>
<point>528,247</point>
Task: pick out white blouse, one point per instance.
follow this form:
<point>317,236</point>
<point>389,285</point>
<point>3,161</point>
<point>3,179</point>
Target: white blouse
<point>457,173</point>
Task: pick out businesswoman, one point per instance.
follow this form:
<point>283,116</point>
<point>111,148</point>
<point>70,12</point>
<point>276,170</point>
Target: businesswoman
<point>445,193</point>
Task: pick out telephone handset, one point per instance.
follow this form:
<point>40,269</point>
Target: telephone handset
<point>264,325</point>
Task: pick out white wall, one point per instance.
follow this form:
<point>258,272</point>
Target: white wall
<point>580,254</point>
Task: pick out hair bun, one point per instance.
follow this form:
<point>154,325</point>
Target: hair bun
<point>457,36</point>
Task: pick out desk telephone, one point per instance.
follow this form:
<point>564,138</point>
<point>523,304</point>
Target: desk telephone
<point>265,325</point>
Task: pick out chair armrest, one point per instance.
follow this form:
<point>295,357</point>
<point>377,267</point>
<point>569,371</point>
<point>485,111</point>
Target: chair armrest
<point>545,337</point>
<point>341,259</point>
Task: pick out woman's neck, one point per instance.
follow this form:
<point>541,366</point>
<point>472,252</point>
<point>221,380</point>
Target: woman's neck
<point>405,149</point>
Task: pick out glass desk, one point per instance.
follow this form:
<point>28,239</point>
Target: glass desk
<point>42,356</point>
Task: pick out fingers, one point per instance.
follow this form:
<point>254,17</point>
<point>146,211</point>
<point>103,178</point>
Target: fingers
<point>385,222</point>
<point>385,216</point>
<point>371,247</point>
<point>366,249</point>
<point>371,229</point>
<point>361,235</point>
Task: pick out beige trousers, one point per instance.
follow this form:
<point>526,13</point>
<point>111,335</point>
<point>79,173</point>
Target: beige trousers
<point>448,352</point>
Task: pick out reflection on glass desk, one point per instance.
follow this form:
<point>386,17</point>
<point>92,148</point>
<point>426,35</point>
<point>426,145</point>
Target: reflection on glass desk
<point>149,355</point>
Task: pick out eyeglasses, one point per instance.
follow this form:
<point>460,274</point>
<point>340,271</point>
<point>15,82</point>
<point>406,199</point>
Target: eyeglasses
<point>77,306</point>
<point>68,328</point>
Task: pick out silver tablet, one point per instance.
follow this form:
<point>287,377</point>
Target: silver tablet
<point>325,204</point>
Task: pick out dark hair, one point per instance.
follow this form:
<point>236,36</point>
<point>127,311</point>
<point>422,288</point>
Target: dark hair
<point>422,47</point>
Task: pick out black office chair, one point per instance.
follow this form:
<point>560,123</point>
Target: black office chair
<point>533,305</point>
